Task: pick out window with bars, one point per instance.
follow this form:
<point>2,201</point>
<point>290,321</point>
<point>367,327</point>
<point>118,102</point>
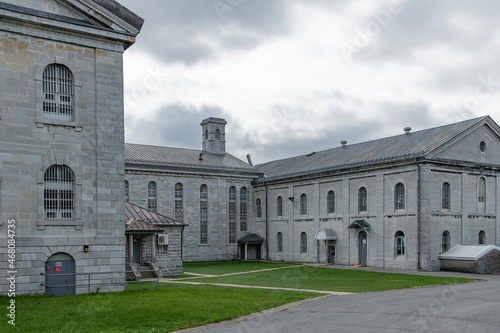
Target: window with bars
<point>243,209</point>
<point>399,197</point>
<point>203,214</point>
<point>58,93</point>
<point>303,204</point>
<point>152,197</point>
<point>362,200</point>
<point>127,191</point>
<point>258,207</point>
<point>330,202</point>
<point>279,241</point>
<point>445,196</point>
<point>303,242</point>
<point>179,202</point>
<point>59,193</point>
<point>400,243</point>
<point>279,206</point>
<point>445,241</point>
<point>232,215</point>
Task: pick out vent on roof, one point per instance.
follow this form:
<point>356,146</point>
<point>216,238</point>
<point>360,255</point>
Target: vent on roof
<point>311,154</point>
<point>407,130</point>
<point>249,159</point>
<point>343,142</point>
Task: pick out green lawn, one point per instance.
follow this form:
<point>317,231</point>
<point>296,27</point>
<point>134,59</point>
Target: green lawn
<point>173,307</point>
<point>322,278</point>
<point>226,267</point>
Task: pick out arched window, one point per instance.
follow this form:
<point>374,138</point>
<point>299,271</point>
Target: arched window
<point>232,214</point>
<point>362,200</point>
<point>445,241</point>
<point>127,191</point>
<point>217,134</point>
<point>203,214</point>
<point>330,202</point>
<point>58,93</point>
<point>206,134</point>
<point>258,207</point>
<point>481,237</point>
<point>399,196</point>
<point>279,206</point>
<point>243,209</point>
<point>445,197</point>
<point>303,242</point>
<point>279,241</point>
<point>179,202</point>
<point>482,190</point>
<point>59,193</point>
<point>152,197</point>
<point>400,243</point>
<point>303,204</point>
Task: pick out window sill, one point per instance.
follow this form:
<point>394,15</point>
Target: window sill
<point>41,122</point>
<point>77,224</point>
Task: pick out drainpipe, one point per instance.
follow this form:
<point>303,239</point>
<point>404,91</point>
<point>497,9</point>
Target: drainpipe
<point>267,222</point>
<point>419,223</point>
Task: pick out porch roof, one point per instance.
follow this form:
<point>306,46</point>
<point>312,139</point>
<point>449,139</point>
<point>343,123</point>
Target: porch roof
<point>360,224</point>
<point>251,239</point>
<point>146,215</point>
<point>326,234</point>
<point>138,226</point>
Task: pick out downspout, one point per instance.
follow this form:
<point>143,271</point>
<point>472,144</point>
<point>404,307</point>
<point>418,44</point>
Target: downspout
<point>182,244</point>
<point>419,190</point>
<point>267,222</point>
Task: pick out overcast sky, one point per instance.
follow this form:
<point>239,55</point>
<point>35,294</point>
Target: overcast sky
<point>296,76</point>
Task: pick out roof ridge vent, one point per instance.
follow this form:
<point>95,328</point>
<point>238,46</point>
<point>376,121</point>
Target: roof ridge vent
<point>343,143</point>
<point>407,130</point>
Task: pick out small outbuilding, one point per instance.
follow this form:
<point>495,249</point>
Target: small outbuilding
<point>479,259</point>
<point>250,247</point>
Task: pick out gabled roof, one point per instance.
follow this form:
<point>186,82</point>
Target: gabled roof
<point>135,225</point>
<point>468,252</point>
<point>396,148</point>
<point>167,157</point>
<point>138,213</point>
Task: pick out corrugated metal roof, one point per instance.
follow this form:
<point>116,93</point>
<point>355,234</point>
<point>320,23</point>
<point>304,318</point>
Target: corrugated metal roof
<point>468,252</point>
<point>187,158</point>
<point>400,147</point>
<point>136,212</point>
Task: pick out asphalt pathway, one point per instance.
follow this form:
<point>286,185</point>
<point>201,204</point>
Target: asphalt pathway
<point>472,307</point>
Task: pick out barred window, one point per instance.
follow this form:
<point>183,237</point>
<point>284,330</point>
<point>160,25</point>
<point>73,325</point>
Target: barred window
<point>243,209</point>
<point>127,191</point>
<point>232,215</point>
<point>59,193</point>
<point>258,207</point>
<point>279,241</point>
<point>445,197</point>
<point>203,214</point>
<point>303,242</point>
<point>58,93</point>
<point>362,200</point>
<point>445,241</point>
<point>400,243</point>
<point>303,204</point>
<point>152,197</point>
<point>179,202</point>
<point>399,196</point>
<point>330,202</point>
<point>279,206</point>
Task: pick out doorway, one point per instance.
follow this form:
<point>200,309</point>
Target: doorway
<point>331,254</point>
<point>363,246</point>
<point>60,275</point>
<point>137,250</point>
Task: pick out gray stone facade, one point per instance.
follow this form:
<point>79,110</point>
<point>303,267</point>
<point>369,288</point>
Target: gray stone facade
<point>90,143</point>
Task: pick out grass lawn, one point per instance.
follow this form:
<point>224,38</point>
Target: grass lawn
<point>226,267</point>
<point>322,278</point>
<point>173,307</point>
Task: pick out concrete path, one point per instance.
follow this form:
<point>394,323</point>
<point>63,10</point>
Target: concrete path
<point>473,307</point>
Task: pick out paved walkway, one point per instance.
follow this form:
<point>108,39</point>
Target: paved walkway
<point>472,307</point>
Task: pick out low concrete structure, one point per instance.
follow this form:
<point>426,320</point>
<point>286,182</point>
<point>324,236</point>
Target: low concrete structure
<point>479,259</point>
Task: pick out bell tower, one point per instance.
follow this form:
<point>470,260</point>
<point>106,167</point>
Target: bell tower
<point>214,135</point>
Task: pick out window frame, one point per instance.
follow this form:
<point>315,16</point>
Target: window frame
<point>258,208</point>
<point>445,241</point>
<point>152,191</point>
<point>481,238</point>
<point>279,206</point>
<point>63,194</point>
<point>330,202</point>
<point>399,197</point>
<point>303,204</point>
<point>204,214</point>
<point>279,242</point>
<point>179,202</point>
<point>232,204</point>
<point>58,82</point>
<point>303,243</point>
<point>127,191</point>
<point>400,243</point>
<point>362,200</point>
<point>446,196</point>
<point>243,209</point>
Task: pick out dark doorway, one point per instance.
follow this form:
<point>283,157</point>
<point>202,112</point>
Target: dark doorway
<point>137,250</point>
<point>331,254</point>
<point>60,275</point>
<point>363,246</point>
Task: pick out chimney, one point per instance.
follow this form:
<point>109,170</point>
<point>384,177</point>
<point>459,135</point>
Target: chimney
<point>249,159</point>
<point>343,143</point>
<point>407,130</point>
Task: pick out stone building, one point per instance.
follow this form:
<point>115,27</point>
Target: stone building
<point>62,142</point>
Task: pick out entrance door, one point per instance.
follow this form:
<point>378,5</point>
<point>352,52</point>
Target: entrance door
<point>363,245</point>
<point>331,254</point>
<point>137,250</point>
<point>259,252</point>
<point>59,275</point>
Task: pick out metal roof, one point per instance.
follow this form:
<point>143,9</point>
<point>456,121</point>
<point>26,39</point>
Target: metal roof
<point>359,224</point>
<point>251,239</point>
<point>155,156</point>
<point>136,212</point>
<point>468,252</point>
<point>135,225</point>
<point>326,234</point>
<point>396,148</point>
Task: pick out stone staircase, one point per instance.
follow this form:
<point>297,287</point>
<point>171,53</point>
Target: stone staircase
<point>146,275</point>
